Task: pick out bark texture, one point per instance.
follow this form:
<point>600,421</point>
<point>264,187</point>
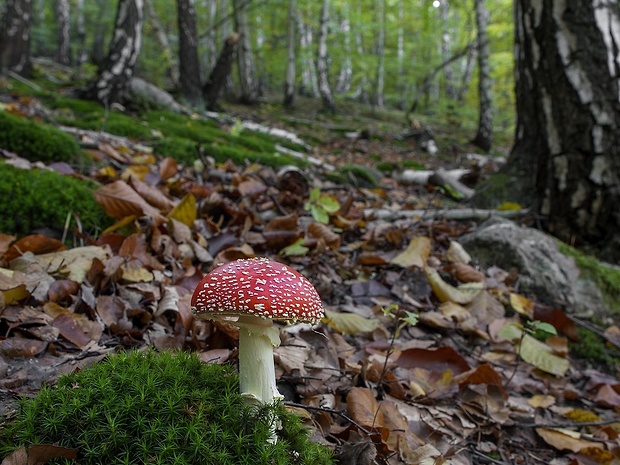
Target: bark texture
<point>117,69</point>
<point>189,65</point>
<point>322,68</point>
<point>484,136</point>
<point>289,84</point>
<point>567,148</point>
<point>171,68</point>
<point>15,35</point>
<point>63,52</point>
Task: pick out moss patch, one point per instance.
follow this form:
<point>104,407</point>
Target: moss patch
<point>37,142</point>
<point>160,408</point>
<point>43,199</point>
<point>606,277</point>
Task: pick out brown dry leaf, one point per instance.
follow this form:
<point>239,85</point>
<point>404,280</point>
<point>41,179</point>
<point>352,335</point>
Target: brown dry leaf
<point>323,231</point>
<point>433,360</point>
<point>251,187</point>
<point>5,242</point>
<point>21,347</point>
<point>563,439</point>
<point>69,327</point>
<point>485,308</point>
<point>363,408</point>
<point>119,200</point>
<point>607,397</point>
<point>416,253</point>
<point>467,273</point>
<point>152,195</point>
<point>136,171</point>
<point>424,455</point>
<point>559,319</point>
<point>38,454</point>
<point>444,291</point>
<point>457,254</point>
<point>168,168</point>
<point>541,401</point>
<point>35,243</point>
<point>454,312</point>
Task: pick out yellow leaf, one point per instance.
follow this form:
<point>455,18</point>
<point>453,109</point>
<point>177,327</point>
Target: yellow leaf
<point>444,291</point>
<point>137,275</point>
<point>138,171</point>
<point>14,295</point>
<point>522,305</point>
<point>513,206</point>
<point>540,355</point>
<point>185,211</point>
<point>350,323</point>
<point>415,254</point>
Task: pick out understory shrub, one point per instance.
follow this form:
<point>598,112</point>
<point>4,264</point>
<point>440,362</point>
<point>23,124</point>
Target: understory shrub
<point>34,199</point>
<point>160,408</point>
<point>37,142</point>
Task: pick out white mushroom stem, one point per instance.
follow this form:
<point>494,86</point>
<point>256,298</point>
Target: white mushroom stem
<point>257,374</point>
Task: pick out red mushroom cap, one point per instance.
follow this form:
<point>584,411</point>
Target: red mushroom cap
<point>258,287</point>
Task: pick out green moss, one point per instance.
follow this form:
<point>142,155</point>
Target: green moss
<point>182,150</point>
<point>413,165</point>
<point>591,347</point>
<point>161,408</point>
<point>356,175</point>
<point>37,142</point>
<point>606,277</point>
<point>43,199</point>
<point>386,166</point>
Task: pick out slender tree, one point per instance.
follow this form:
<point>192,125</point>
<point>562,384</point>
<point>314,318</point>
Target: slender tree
<point>380,81</point>
<point>162,38</point>
<point>114,74</point>
<point>291,58</point>
<point>322,67</point>
<point>446,48</point>
<point>245,59</point>
<point>80,27</point>
<point>346,67</point>
<point>189,65</point>
<point>309,85</point>
<point>567,143</point>
<point>15,35</point>
<point>63,52</point>
<point>484,136</point>
<point>220,73</point>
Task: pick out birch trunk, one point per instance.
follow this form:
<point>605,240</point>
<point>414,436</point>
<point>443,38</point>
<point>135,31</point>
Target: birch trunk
<point>63,52</point>
<point>446,49</point>
<point>308,70</point>
<point>15,35</point>
<point>211,37</point>
<point>567,143</point>
<point>322,67</point>
<point>245,60</point>
<point>189,65</point>
<point>80,27</point>
<point>117,69</point>
<point>289,85</point>
<point>380,82</point>
<point>484,137</point>
<point>346,69</point>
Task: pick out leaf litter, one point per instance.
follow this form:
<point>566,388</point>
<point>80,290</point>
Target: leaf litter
<point>422,357</point>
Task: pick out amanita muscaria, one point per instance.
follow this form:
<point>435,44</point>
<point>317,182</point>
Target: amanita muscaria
<point>256,292</point>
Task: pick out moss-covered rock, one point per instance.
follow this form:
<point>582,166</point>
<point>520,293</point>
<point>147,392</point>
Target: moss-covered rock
<point>160,408</point>
<point>34,199</point>
<point>37,142</point>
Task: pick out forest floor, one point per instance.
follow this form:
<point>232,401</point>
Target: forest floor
<point>423,357</point>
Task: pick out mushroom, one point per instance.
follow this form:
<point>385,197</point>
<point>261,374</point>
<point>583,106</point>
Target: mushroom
<point>251,294</point>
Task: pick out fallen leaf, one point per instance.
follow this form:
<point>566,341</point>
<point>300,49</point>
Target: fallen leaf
<point>416,253</point>
<point>350,323</point>
<point>185,210</point>
<point>522,305</point>
<point>563,439</point>
<point>444,291</point>
<point>541,356</point>
<point>364,408</point>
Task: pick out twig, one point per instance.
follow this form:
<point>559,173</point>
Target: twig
<point>570,424</point>
<point>330,410</point>
<point>449,214</point>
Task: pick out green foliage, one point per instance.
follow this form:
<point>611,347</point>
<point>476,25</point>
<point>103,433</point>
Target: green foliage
<point>183,150</point>
<point>592,348</point>
<point>162,408</point>
<point>356,175</point>
<point>43,199</point>
<point>37,142</point>
<point>321,205</point>
<point>386,166</point>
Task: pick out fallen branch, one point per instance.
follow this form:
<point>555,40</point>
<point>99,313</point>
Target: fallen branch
<point>446,213</point>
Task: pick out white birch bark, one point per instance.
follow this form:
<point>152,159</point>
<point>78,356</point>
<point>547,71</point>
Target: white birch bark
<point>308,70</point>
<point>245,59</point>
<point>289,84</point>
<point>484,136</point>
<point>380,81</point>
<point>322,65</point>
<point>63,51</point>
<point>346,68</point>
<point>446,48</point>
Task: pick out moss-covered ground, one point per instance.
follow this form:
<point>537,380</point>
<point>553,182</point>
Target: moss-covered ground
<point>160,408</point>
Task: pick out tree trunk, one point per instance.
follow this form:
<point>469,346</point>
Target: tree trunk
<point>245,60</point>
<point>210,41</point>
<point>63,52</point>
<point>219,75</point>
<point>380,82</point>
<point>289,85</point>
<point>308,70</point>
<point>567,143</point>
<point>117,68</point>
<point>400,58</point>
<point>446,48</point>
<point>346,68</point>
<point>171,67</point>
<point>80,27</point>
<point>189,65</point>
<point>484,137</point>
<point>15,34</point>
<point>98,50</point>
<point>321,61</point>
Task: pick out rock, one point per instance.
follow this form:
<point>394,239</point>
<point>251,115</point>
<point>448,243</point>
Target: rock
<point>544,272</point>
<point>147,95</point>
